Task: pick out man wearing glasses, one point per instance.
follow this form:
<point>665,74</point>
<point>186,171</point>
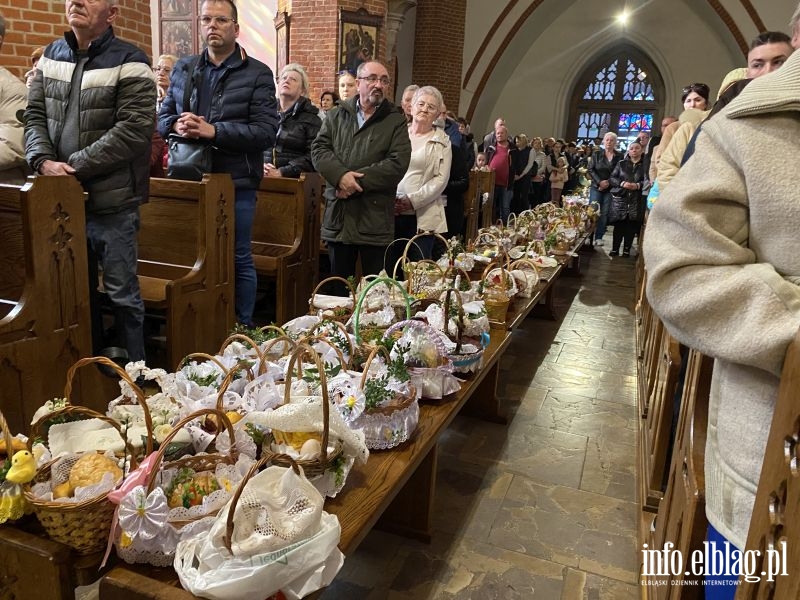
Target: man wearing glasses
<point>362,151</point>
<point>228,98</point>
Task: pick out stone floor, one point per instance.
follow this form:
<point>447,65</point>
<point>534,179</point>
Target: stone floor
<point>543,507</point>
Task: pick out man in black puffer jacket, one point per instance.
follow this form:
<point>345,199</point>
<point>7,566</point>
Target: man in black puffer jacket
<point>90,115</point>
<point>232,104</point>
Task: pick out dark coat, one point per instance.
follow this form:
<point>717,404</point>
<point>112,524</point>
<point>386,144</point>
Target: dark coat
<point>243,112</point>
<point>292,150</point>
<point>381,151</point>
<point>626,204</point>
<point>601,168</point>
<point>116,124</point>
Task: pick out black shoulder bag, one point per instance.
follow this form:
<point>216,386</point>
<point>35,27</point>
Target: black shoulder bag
<point>188,158</point>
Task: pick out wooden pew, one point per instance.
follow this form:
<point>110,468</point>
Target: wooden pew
<point>185,266</point>
<point>473,201</point>
<point>485,185</point>
<point>286,239</point>
<point>776,513</point>
<point>44,313</point>
<point>656,427</point>
<point>681,515</point>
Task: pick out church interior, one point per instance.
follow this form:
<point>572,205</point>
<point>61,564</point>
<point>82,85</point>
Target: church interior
<point>579,447</point>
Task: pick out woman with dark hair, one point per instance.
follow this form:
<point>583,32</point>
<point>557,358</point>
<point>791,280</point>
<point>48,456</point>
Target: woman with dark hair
<point>626,211</point>
<point>327,101</point>
<point>347,85</point>
<point>521,165</point>
<point>695,95</point>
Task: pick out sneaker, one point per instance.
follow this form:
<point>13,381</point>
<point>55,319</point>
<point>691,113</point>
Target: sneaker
<point>598,242</point>
<point>626,253</point>
<point>613,253</point>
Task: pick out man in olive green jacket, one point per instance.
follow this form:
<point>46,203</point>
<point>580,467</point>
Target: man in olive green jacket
<point>362,151</point>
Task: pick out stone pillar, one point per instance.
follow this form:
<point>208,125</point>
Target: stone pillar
<point>439,47</point>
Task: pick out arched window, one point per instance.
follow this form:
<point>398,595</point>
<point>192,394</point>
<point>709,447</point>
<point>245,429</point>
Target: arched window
<point>621,91</point>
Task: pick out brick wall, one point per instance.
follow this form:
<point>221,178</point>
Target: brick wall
<point>314,34</point>
<point>438,47</point>
<point>33,23</point>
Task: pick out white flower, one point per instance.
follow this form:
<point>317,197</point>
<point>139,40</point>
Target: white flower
<point>143,515</point>
<point>352,406</point>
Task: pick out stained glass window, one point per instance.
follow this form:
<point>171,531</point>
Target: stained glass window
<point>622,92</point>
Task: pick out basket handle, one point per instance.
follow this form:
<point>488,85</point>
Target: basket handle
<point>257,466</point>
<point>310,339</point>
<point>459,321</point>
<point>281,338</point>
<point>228,379</point>
<point>342,329</point>
<point>123,374</point>
<point>87,412</point>
<point>359,304</point>
<point>162,449</point>
<point>328,280</point>
<point>297,356</point>
<point>368,363</point>
<point>399,260</point>
<point>434,334</point>
<point>248,340</point>
<point>194,355</point>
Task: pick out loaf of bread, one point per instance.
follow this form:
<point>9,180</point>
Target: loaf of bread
<point>90,468</point>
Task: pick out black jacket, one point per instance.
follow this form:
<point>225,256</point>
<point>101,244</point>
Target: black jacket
<point>292,150</point>
<point>116,124</point>
<point>626,203</point>
<point>243,112</point>
<point>601,168</point>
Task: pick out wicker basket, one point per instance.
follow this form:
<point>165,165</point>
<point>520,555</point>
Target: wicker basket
<point>531,271</point>
<point>316,466</point>
<point>462,362</point>
<point>83,526</point>
<point>496,296</point>
<point>393,423</point>
<point>338,313</point>
<point>358,331</point>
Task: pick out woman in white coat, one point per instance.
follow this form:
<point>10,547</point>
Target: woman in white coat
<point>419,206</point>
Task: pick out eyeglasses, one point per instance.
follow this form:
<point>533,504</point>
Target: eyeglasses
<point>162,69</point>
<point>699,88</point>
<point>426,107</point>
<point>205,21</point>
<point>373,79</point>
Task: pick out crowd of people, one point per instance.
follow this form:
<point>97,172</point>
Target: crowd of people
<point>719,248</point>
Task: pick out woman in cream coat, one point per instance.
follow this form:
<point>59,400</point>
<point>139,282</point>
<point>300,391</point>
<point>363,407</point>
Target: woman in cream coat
<point>723,262</point>
<point>419,206</point>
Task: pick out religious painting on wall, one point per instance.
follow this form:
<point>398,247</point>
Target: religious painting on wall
<point>358,38</point>
<point>282,41</point>
<point>176,38</point>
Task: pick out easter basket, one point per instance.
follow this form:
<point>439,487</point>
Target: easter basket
<point>467,356</point>
<point>329,449</point>
<point>367,334</point>
<point>425,355</point>
<point>498,289</point>
<point>335,308</point>
<point>391,410</point>
<point>526,275</point>
<point>168,501</point>
<point>81,522</point>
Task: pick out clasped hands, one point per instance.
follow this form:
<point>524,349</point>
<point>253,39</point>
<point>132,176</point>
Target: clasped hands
<point>348,185</point>
<point>189,125</point>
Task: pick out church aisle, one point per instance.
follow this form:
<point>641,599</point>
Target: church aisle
<point>544,507</point>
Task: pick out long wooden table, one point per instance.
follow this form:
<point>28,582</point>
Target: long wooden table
<point>395,490</point>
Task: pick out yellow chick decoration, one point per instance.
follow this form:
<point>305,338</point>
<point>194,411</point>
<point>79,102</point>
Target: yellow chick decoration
<point>23,467</point>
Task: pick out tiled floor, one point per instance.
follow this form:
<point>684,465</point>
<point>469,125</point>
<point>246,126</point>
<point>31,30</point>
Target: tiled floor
<point>543,507</point>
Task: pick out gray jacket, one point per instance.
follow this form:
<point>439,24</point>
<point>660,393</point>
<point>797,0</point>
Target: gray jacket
<point>118,99</point>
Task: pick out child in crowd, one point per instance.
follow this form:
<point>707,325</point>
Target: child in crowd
<point>480,162</point>
<point>558,177</point>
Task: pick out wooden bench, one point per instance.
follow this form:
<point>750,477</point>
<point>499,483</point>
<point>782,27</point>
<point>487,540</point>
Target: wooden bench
<point>483,182</point>
<point>681,517</point>
<point>186,269</point>
<point>286,235</point>
<point>44,314</point>
<point>776,513</point>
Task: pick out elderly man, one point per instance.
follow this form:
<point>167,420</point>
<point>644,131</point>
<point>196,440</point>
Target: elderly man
<point>13,98</point>
<point>99,134</point>
<point>362,151</point>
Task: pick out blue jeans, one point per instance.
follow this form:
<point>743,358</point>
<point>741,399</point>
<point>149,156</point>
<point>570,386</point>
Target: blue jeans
<point>245,268</point>
<point>502,202</point>
<point>112,243</point>
<point>604,200</point>
<point>719,591</point>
